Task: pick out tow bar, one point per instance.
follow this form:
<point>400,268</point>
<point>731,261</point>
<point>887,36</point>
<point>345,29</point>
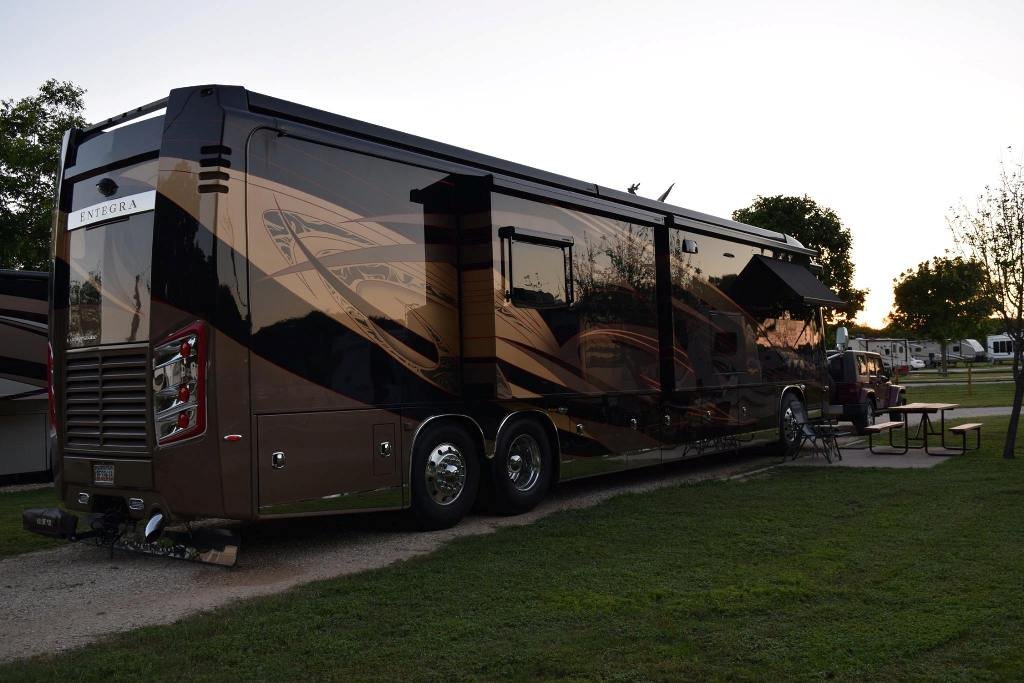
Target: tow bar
<point>111,530</point>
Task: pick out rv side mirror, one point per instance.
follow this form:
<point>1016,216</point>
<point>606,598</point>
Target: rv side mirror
<point>842,338</point>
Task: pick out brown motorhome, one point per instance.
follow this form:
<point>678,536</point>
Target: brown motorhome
<point>261,309</point>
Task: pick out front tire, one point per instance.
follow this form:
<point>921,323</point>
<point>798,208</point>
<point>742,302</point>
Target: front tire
<point>445,476</point>
<point>522,468</point>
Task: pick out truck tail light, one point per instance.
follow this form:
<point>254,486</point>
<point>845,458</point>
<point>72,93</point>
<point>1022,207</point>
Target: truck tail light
<point>179,385</point>
<point>51,396</point>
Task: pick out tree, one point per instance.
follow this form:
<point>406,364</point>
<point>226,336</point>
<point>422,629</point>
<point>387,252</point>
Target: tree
<point>942,299</point>
<point>993,233</point>
<point>817,228</point>
<point>31,131</point>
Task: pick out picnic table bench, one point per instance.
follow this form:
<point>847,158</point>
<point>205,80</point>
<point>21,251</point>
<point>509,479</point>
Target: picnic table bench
<point>926,427</point>
<point>889,427</point>
<point>962,430</point>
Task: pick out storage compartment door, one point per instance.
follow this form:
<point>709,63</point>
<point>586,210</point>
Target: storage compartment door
<point>328,461</point>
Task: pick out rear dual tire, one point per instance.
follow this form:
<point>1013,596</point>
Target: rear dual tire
<point>447,472</point>
<point>522,469</point>
<point>445,476</point>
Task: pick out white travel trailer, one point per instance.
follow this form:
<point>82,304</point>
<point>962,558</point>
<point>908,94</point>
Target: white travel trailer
<point>957,351</point>
<point>999,347</point>
<point>894,352</point>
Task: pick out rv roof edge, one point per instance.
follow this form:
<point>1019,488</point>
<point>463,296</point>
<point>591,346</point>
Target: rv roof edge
<point>311,116</point>
<point>285,109</point>
<point>127,116</point>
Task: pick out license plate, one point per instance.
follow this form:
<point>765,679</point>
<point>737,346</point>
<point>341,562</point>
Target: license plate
<point>103,474</point>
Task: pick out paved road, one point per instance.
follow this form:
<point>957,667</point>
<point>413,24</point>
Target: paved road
<point>63,598</point>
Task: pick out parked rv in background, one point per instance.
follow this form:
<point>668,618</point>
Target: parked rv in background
<point>998,347</point>
<point>957,351</point>
<point>898,353</point>
<point>23,405</point>
<point>893,351</point>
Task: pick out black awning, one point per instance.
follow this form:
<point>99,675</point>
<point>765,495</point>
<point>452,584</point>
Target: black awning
<point>768,282</point>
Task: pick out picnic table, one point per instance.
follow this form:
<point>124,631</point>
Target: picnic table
<point>926,427</point>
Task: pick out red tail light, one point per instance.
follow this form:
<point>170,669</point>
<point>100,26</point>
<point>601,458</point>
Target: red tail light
<point>179,385</point>
<point>51,397</point>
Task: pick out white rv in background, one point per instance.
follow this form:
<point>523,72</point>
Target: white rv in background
<point>957,351</point>
<point>999,347</point>
<point>894,352</point>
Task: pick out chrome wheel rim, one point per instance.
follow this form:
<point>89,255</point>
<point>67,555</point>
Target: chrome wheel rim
<point>524,462</point>
<point>445,474</point>
<point>790,427</point>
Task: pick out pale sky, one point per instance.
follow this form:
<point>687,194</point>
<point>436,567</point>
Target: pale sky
<point>886,112</point>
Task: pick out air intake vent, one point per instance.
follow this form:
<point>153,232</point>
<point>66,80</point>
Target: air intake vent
<point>105,406</point>
<point>217,163</point>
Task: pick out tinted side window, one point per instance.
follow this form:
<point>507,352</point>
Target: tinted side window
<point>539,273</point>
<point>353,279</point>
<point>714,339</point>
<point>789,345</point>
<point>607,340</point>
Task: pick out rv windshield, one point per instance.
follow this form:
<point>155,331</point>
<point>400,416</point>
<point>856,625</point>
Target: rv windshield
<point>110,282</point>
<point>111,264</point>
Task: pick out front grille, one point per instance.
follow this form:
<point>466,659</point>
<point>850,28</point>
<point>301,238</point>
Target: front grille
<point>105,408</point>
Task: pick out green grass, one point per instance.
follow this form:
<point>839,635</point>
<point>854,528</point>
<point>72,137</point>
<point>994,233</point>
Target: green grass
<point>13,539</point>
<point>801,573</point>
<point>981,394</point>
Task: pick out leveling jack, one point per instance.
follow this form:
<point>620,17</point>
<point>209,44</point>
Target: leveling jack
<point>111,530</point>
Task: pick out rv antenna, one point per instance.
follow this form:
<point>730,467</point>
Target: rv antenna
<point>633,188</point>
<point>664,195</point>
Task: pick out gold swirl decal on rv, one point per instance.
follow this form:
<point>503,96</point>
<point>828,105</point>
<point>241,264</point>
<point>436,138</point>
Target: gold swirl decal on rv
<point>383,291</point>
